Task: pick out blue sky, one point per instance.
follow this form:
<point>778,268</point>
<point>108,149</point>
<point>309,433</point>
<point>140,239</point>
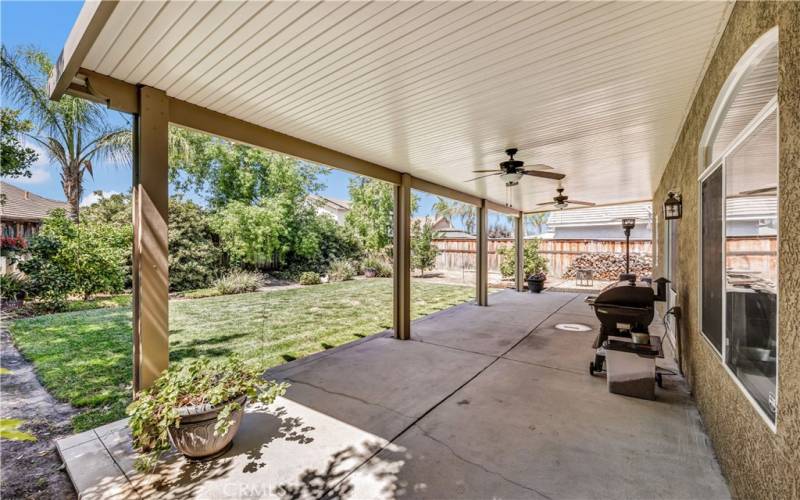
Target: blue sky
<point>46,26</point>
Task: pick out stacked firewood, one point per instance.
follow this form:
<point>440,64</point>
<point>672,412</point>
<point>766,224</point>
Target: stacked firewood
<point>608,266</point>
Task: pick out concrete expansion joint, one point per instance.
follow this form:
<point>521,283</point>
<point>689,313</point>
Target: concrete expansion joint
<point>348,396</point>
<point>479,465</point>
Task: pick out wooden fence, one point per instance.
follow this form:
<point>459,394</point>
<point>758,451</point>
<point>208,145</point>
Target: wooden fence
<point>459,254</point>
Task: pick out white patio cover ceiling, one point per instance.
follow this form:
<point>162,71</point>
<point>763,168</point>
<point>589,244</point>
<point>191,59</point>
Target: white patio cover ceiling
<point>437,89</point>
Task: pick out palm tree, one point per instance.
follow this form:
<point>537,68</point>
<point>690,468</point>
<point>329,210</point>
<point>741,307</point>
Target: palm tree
<point>537,221</point>
<point>73,132</point>
<point>444,208</point>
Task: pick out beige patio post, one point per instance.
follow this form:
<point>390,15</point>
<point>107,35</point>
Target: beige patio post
<point>401,298</point>
<point>519,247</point>
<point>482,257</point>
<point>150,265</point>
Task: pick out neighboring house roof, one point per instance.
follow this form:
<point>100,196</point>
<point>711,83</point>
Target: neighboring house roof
<point>453,233</point>
<point>20,204</point>
<point>332,202</point>
<point>752,208</point>
<point>600,216</point>
<point>438,224</point>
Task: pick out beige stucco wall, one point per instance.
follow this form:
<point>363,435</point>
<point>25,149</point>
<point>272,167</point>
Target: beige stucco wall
<point>757,462</point>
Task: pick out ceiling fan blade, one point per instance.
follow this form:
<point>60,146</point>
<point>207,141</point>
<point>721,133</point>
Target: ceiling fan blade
<point>576,202</point>
<point>484,171</point>
<point>546,175</point>
<point>760,191</point>
<point>482,176</point>
<point>540,166</point>
<point>545,203</point>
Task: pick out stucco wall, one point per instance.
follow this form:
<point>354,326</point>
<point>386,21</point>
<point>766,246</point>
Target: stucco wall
<point>757,462</point>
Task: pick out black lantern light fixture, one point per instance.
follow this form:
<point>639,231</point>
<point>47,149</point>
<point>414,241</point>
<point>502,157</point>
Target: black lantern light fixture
<point>627,225</point>
<point>673,207</point>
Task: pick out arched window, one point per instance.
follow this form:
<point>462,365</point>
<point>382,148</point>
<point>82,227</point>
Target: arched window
<point>738,186</point>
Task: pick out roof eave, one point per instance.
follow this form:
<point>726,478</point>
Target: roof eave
<point>91,20</point>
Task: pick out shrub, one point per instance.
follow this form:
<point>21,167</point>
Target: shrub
<point>66,258</point>
<point>382,267</point>
<point>12,286</point>
<point>194,257</point>
<point>534,262</point>
<point>341,270</point>
<point>310,278</point>
<point>239,282</point>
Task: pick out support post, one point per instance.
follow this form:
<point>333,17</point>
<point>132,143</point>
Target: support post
<point>519,242</point>
<point>482,257</point>
<point>150,255</point>
<point>402,259</point>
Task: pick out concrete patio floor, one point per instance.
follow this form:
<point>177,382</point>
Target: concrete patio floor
<point>488,402</point>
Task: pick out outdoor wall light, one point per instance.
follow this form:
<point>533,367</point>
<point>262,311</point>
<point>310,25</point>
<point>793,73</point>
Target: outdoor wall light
<point>673,207</point>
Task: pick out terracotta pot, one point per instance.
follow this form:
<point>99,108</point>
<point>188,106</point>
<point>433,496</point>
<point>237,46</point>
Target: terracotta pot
<point>195,437</point>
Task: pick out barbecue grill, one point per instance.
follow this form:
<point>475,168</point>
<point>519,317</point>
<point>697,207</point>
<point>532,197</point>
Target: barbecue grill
<point>624,308</point>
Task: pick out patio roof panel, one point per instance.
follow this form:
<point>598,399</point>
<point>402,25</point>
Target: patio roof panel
<point>598,90</point>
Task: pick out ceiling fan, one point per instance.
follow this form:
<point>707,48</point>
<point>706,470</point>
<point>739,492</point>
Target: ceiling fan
<point>561,201</point>
<point>511,170</point>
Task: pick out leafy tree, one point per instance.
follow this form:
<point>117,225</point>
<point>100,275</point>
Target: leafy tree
<point>423,251</point>
<point>86,258</point>
<point>72,131</point>
<point>226,172</point>
<point>252,235</point>
<point>371,215</point>
<point>499,231</point>
<point>15,158</point>
<point>195,257</point>
<point>534,261</point>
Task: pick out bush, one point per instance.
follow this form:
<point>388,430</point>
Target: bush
<point>239,282</point>
<point>194,256</point>
<point>12,286</point>
<point>382,267</point>
<point>534,262</point>
<point>67,258</point>
<point>341,270</point>
<point>310,278</point>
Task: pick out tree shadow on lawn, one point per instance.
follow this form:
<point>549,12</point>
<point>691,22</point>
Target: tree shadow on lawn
<point>195,348</point>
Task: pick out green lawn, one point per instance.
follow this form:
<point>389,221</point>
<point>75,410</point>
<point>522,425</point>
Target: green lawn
<point>84,357</point>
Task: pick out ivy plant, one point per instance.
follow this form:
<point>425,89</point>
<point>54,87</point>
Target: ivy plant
<point>196,382</point>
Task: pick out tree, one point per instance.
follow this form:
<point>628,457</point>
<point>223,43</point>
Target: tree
<point>534,262</point>
<point>227,172</point>
<point>499,231</point>
<point>72,131</point>
<point>371,215</point>
<point>195,256</point>
<point>16,159</point>
<point>537,222</point>
<point>86,258</point>
<point>423,251</point>
<point>444,208</point>
<point>251,235</point>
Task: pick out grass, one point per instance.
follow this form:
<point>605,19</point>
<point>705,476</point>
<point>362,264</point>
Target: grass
<point>84,357</point>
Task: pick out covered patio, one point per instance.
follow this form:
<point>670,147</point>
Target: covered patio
<point>463,409</point>
<point>487,399</point>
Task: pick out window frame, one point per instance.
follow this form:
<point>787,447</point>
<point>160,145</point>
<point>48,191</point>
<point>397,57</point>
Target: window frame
<point>719,163</point>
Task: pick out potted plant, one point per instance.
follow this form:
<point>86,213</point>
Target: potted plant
<point>536,282</point>
<point>196,406</point>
